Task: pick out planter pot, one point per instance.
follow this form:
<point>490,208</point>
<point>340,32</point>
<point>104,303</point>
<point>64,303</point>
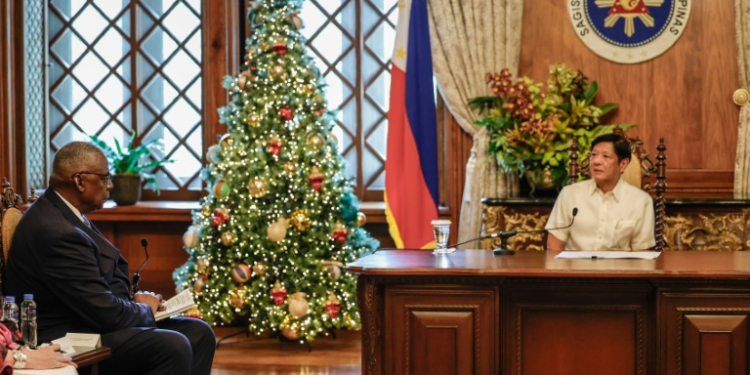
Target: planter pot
<point>541,183</point>
<point>126,190</point>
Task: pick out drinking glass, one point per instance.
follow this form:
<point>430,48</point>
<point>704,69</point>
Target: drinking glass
<point>441,229</point>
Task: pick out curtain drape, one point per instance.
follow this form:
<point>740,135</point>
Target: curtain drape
<point>470,38</point>
<point>742,162</point>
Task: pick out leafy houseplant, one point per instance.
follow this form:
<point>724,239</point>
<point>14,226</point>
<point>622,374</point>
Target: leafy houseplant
<point>531,131</point>
<point>129,165</point>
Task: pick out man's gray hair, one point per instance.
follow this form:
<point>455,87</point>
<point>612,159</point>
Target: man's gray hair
<point>74,156</point>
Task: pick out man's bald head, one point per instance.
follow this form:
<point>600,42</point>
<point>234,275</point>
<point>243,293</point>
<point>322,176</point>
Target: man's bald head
<point>74,157</point>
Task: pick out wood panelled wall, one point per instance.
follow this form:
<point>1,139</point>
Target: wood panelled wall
<point>684,95</point>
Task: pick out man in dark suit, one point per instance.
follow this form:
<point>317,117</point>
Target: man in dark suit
<point>80,280</point>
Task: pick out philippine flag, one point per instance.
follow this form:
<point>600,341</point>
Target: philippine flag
<point>411,167</point>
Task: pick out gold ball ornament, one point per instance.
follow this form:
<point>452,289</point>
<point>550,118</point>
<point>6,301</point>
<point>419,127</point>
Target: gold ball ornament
<point>221,189</point>
<point>361,219</point>
<point>277,230</point>
<point>244,82</point>
<point>333,267</point>
<point>290,169</point>
<point>206,211</point>
<point>193,313</point>
<point>315,140</point>
<point>237,297</point>
<point>332,137</point>
<point>299,220</point>
<point>260,268</point>
<point>298,305</point>
<point>310,88</point>
<point>288,329</point>
<point>253,120</point>
<point>202,265</point>
<point>741,97</point>
<point>258,187</point>
<point>200,283</point>
<point>226,141</point>
<point>192,237</point>
<point>228,238</point>
<point>276,71</point>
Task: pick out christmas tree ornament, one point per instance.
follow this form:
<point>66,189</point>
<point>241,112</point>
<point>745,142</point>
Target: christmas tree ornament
<point>226,141</point>
<point>276,71</point>
<point>263,46</point>
<point>258,187</point>
<point>310,88</point>
<point>295,20</point>
<point>193,313</point>
<point>254,5</point>
<point>289,329</point>
<point>339,232</point>
<point>333,267</point>
<point>244,81</point>
<point>277,231</point>
<point>192,237</point>
<point>298,305</point>
<point>202,265</point>
<point>320,112</point>
<point>299,220</point>
<point>332,137</point>
<point>221,215</point>
<point>221,188</point>
<point>318,98</point>
<point>206,211</point>
<point>316,178</point>
<point>280,46</point>
<point>241,273</point>
<point>200,283</point>
<point>290,169</point>
<point>286,113</point>
<point>333,305</point>
<point>228,238</point>
<point>253,120</point>
<point>278,293</point>
<point>238,296</point>
<point>213,154</point>
<point>361,219</point>
<point>259,268</point>
<point>274,145</point>
<point>315,140</point>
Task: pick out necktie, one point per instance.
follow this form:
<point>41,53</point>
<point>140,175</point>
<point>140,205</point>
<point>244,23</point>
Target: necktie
<point>86,221</point>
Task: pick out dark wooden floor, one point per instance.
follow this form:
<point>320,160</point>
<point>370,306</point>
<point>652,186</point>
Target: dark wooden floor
<point>241,355</point>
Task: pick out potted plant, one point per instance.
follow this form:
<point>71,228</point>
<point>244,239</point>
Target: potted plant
<point>129,165</point>
<point>531,131</point>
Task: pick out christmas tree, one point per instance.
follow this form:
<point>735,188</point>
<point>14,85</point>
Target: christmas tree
<point>280,220</point>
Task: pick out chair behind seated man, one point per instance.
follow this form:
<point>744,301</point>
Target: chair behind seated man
<point>642,172</point>
<point>11,211</point>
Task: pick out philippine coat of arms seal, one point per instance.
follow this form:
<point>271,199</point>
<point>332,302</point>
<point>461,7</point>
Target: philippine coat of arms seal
<point>629,31</point>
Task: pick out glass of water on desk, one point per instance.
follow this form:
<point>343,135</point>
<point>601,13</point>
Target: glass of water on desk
<point>442,230</point>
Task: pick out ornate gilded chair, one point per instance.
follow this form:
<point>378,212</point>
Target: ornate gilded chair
<point>706,231</point>
<point>642,172</point>
<point>10,215</point>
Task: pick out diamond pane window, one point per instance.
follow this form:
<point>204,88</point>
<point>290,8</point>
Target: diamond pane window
<point>124,65</point>
<point>356,68</point>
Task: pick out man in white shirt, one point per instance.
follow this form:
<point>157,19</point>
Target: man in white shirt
<point>612,214</point>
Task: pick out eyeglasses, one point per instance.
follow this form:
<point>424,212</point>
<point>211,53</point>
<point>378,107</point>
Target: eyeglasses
<point>107,178</point>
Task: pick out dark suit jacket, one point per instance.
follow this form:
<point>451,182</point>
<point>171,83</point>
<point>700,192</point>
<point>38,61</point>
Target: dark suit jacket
<point>79,280</point>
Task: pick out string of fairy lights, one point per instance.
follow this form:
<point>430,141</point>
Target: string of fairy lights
<point>279,223</point>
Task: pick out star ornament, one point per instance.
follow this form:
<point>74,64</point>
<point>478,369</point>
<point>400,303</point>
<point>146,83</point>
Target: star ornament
<point>629,10</point>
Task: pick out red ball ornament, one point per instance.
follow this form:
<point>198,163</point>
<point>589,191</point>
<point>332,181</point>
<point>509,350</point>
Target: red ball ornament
<point>320,112</point>
<point>220,217</point>
<point>316,179</point>
<point>280,48</point>
<point>333,305</point>
<point>241,273</point>
<point>274,145</point>
<point>339,232</point>
<point>286,113</point>
<point>278,293</point>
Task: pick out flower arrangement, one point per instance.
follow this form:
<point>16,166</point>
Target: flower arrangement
<point>531,131</point>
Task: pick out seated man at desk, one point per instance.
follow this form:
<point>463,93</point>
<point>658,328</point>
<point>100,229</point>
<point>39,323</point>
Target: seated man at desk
<point>612,214</point>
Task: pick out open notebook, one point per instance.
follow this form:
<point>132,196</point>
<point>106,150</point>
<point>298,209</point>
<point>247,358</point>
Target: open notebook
<point>176,305</point>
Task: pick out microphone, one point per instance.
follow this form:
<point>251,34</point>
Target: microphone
<point>505,235</point>
<point>137,274</point>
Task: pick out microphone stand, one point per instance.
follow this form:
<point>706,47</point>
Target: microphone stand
<point>137,274</point>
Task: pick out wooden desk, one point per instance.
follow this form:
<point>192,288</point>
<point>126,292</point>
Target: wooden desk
<point>475,313</point>
<point>93,358</point>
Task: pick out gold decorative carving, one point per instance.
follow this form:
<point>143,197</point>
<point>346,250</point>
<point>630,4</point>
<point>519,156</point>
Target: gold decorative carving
<point>499,218</point>
<point>741,97</point>
<point>709,232</point>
